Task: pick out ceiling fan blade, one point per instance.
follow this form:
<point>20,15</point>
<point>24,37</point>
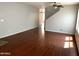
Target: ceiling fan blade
<point>55,4</point>
<point>60,6</point>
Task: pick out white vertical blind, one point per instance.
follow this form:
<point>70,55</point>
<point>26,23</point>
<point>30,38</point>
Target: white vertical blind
<point>77,25</point>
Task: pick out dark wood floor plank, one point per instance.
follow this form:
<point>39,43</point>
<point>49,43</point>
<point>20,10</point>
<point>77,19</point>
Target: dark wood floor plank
<point>28,44</point>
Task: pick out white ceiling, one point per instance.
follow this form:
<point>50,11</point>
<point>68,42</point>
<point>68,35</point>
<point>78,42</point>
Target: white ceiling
<point>37,4</point>
<point>44,4</point>
<point>69,3</point>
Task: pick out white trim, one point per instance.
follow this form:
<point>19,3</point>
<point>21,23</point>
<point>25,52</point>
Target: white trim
<point>60,32</point>
<point>17,32</point>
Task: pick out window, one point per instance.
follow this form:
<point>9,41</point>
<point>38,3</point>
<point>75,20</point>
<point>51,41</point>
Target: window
<point>68,42</point>
<point>41,22</point>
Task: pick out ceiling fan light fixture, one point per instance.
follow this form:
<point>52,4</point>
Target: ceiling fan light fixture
<point>56,5</point>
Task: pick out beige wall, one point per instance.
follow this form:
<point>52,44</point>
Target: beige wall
<point>17,18</point>
<point>63,21</point>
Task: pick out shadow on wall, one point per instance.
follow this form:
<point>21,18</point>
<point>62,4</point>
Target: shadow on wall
<point>50,11</point>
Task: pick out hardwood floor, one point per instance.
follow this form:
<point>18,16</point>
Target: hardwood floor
<point>28,44</point>
<point>57,43</point>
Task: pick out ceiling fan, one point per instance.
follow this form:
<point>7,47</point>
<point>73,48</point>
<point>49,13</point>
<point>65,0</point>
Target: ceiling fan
<point>56,5</point>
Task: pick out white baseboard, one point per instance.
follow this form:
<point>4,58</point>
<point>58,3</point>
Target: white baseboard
<point>3,36</point>
<point>61,32</point>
